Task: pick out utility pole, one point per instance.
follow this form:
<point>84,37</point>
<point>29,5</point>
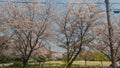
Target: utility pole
<point>110,35</point>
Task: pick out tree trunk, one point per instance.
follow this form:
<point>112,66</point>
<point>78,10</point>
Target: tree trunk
<point>68,65</point>
<point>85,63</point>
<point>26,58</point>
<point>113,59</point>
<point>114,63</point>
<point>101,63</point>
<point>68,59</point>
<point>24,63</point>
<point>110,33</point>
<point>39,64</point>
<point>71,60</point>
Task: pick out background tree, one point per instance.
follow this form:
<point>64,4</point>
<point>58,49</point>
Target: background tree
<point>109,42</point>
<point>90,55</point>
<point>98,56</point>
<point>73,29</point>
<point>30,23</point>
<point>5,36</point>
<point>41,55</point>
<point>86,55</point>
<point>102,43</point>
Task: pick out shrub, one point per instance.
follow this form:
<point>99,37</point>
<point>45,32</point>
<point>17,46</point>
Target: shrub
<point>4,59</point>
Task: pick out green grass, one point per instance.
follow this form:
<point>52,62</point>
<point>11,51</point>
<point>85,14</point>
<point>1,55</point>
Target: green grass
<point>59,64</point>
<point>92,63</point>
<point>81,63</point>
<point>30,67</point>
<point>37,66</point>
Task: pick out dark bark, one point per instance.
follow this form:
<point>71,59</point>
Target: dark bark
<point>26,58</point>
<point>24,63</point>
<point>113,59</point>
<point>101,63</point>
<point>85,63</point>
<point>110,33</point>
<point>71,60</point>
<point>114,64</point>
<point>68,59</point>
<point>69,65</point>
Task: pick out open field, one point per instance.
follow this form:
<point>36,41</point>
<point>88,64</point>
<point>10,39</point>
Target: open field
<point>59,64</point>
<point>82,63</point>
<point>36,66</point>
<point>92,63</point>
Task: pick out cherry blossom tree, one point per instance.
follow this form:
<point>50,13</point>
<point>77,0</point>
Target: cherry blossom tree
<point>30,23</point>
<point>102,43</point>
<point>74,29</point>
<point>5,35</point>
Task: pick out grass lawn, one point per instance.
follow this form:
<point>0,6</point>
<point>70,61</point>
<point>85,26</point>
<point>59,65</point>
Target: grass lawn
<point>92,63</point>
<point>81,63</point>
<point>59,64</point>
<point>37,66</point>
